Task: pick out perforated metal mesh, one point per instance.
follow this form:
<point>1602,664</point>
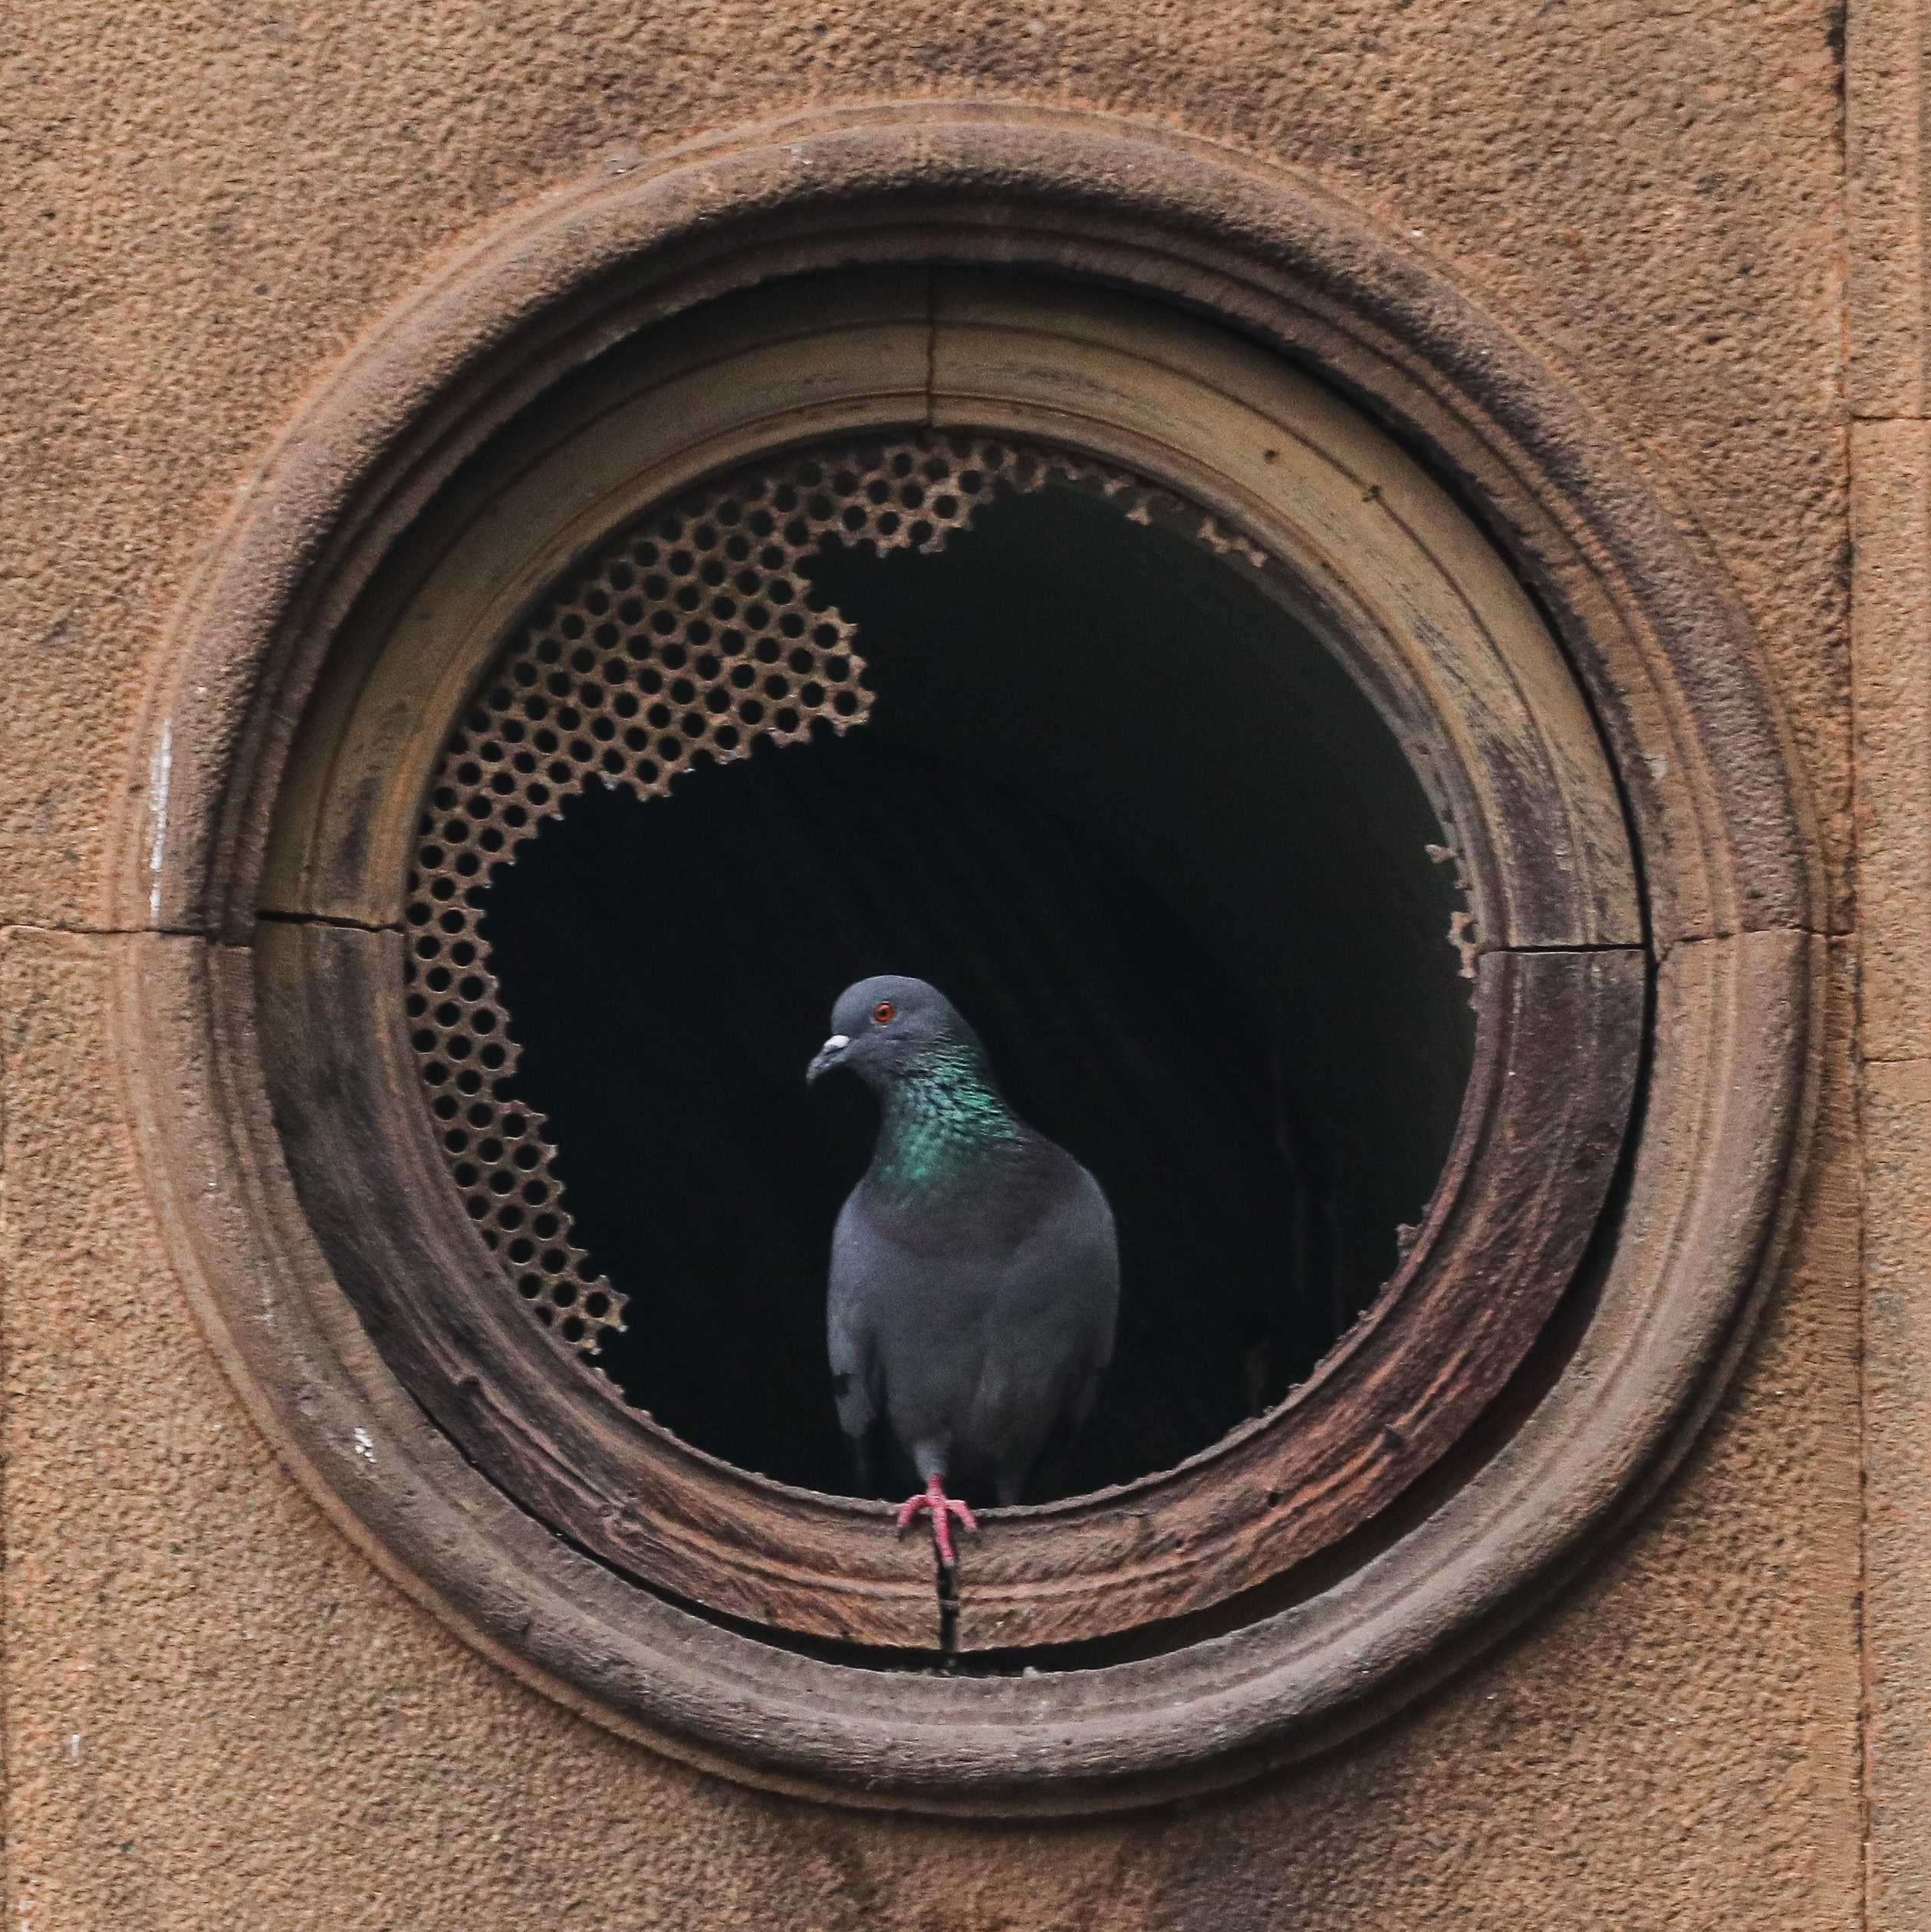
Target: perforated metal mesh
<point>691,632</point>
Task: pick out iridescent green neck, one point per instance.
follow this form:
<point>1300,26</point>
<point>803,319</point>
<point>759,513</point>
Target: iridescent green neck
<point>944,1123</point>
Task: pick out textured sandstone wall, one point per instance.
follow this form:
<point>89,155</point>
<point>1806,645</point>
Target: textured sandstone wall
<point>216,1714</point>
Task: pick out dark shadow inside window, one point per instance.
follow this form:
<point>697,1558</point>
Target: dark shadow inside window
<point>1151,840</point>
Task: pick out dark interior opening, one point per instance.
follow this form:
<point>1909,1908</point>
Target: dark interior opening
<point>1152,840</point>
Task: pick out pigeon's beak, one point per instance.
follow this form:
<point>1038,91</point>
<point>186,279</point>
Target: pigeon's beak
<point>828,1056</point>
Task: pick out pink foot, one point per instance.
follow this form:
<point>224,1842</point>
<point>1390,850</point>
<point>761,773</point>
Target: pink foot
<point>943,1508</point>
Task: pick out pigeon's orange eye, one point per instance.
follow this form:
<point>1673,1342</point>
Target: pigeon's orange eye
<point>883,1011</point>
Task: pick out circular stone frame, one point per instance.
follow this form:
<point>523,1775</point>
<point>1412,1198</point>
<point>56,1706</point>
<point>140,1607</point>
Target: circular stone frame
<point>1727,868</point>
<point>1313,503</point>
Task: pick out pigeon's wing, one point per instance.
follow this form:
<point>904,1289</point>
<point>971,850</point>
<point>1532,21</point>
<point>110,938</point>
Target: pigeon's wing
<point>1052,1335</point>
<point>849,1334</point>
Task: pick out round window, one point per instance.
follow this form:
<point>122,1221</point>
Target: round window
<point>1246,817</point>
<point>1106,638</point>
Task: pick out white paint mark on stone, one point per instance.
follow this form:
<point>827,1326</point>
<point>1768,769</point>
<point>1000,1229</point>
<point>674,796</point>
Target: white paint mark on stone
<point>160,775</point>
<point>365,1445</point>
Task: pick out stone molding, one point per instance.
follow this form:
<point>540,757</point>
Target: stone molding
<point>1716,809</point>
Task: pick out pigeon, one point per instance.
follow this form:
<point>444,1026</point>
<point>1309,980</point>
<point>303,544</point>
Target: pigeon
<point>975,1276</point>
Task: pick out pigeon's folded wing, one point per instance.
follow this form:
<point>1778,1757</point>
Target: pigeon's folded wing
<point>854,1357</point>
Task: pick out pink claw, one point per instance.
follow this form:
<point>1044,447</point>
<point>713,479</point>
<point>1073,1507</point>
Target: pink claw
<point>943,1507</point>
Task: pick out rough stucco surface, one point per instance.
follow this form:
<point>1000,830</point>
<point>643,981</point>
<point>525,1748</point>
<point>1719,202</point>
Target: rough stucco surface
<point>216,1714</point>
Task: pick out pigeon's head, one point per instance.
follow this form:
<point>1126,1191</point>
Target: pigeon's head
<point>887,1026</point>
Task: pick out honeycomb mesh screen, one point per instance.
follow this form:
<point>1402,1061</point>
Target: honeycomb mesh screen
<point>692,633</point>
